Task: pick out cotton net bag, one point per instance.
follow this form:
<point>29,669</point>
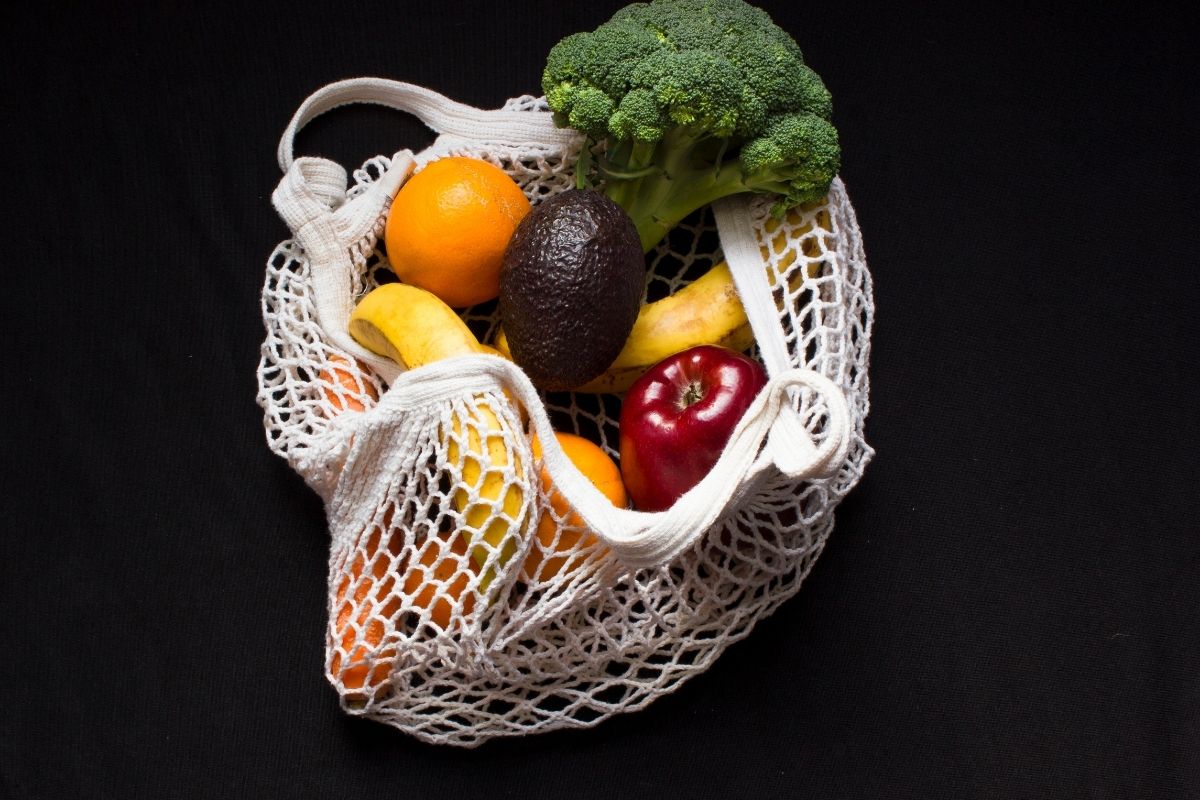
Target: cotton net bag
<point>468,597</point>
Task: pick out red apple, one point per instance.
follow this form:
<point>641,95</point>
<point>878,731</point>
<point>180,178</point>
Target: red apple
<point>676,420</point>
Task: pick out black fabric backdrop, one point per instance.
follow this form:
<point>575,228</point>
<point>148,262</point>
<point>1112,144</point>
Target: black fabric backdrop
<point>1007,608</point>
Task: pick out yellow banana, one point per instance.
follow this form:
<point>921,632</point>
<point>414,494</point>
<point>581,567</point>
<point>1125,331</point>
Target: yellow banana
<point>706,311</point>
<point>413,327</point>
<point>410,326</point>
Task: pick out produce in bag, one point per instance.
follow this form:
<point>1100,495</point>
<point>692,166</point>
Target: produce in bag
<point>477,589</point>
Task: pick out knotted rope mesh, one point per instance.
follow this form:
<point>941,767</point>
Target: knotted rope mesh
<point>466,599</point>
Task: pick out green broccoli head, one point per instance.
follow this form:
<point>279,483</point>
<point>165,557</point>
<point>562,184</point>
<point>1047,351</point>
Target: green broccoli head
<point>693,100</point>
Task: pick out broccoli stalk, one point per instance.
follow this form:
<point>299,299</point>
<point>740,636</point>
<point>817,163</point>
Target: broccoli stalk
<point>661,184</point>
<point>689,101</point>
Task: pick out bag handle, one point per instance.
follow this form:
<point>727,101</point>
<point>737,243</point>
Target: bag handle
<point>789,444</point>
<point>739,244</point>
<point>439,113</point>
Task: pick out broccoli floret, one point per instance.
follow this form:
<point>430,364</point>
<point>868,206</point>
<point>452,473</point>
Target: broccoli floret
<point>693,100</point>
<point>796,156</point>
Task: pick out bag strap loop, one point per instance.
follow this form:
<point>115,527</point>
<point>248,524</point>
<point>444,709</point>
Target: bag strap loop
<point>639,538</point>
<point>438,112</point>
<point>308,199</point>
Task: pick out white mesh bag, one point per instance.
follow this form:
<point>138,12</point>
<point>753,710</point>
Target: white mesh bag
<point>467,600</point>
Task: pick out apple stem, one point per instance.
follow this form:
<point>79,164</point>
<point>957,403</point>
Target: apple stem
<point>693,394</point>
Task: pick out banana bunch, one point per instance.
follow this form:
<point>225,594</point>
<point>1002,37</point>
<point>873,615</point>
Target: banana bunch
<point>706,311</point>
<point>413,327</point>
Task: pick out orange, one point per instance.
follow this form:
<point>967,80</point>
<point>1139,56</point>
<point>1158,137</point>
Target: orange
<point>439,582</point>
<point>340,388</point>
<point>604,474</point>
<point>360,629</point>
<point>449,226</point>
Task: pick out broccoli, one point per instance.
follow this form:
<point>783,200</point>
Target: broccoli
<point>692,100</point>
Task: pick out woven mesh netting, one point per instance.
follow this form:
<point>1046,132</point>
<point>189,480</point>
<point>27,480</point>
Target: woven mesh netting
<point>467,600</point>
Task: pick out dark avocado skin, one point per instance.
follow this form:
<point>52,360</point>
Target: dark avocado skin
<point>571,286</point>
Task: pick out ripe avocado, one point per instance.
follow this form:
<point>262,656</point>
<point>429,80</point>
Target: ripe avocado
<point>571,286</point>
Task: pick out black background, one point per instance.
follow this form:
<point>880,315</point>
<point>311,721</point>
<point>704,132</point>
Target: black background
<point>1008,607</point>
